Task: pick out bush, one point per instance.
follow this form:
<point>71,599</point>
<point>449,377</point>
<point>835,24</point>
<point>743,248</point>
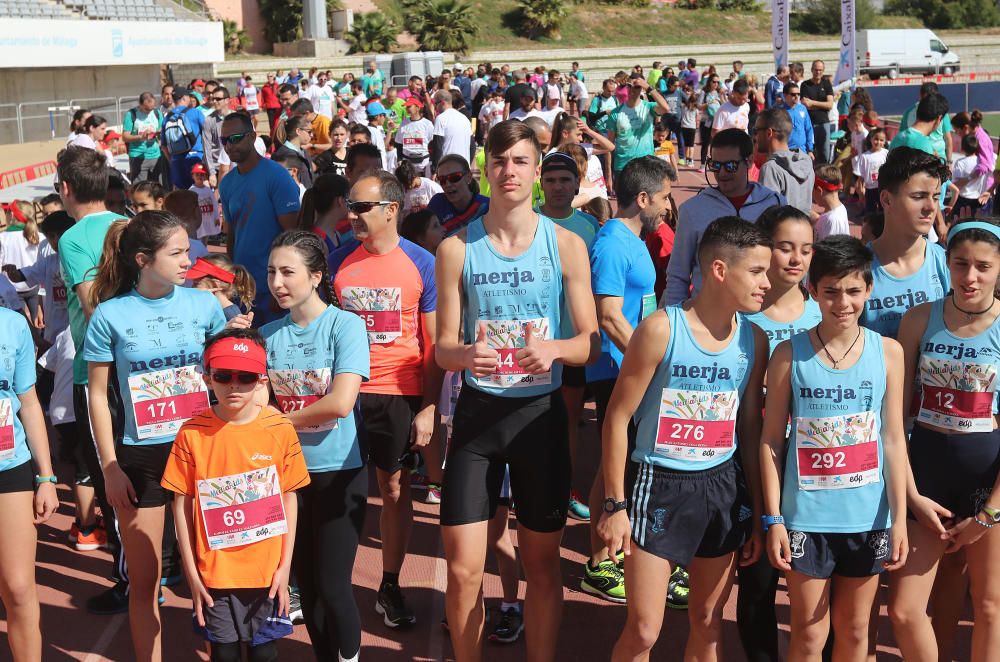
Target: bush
<point>234,37</point>
<point>823,16</point>
<point>372,33</point>
<point>441,25</point>
<point>542,18</point>
<point>947,13</point>
<point>283,18</point>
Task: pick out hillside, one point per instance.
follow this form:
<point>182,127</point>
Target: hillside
<point>590,24</point>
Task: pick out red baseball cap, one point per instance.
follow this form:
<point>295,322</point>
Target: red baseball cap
<point>199,168</point>
<point>240,354</point>
<point>112,135</point>
<point>414,101</point>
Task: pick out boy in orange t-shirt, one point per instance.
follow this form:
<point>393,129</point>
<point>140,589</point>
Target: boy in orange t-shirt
<point>235,468</point>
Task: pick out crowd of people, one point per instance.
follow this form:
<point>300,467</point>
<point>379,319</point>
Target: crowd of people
<point>220,407</point>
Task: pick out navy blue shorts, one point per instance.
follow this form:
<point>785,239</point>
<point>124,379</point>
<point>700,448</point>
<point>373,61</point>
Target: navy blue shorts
<point>822,555</point>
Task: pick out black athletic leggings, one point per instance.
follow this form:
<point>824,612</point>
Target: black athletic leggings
<point>755,617</point>
<point>233,652</point>
<point>331,516</point>
<point>705,135</point>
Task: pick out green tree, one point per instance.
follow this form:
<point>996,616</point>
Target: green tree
<point>441,25</point>
<point>543,18</point>
<point>234,37</point>
<point>823,16</point>
<point>947,13</point>
<point>283,18</point>
<point>372,33</point>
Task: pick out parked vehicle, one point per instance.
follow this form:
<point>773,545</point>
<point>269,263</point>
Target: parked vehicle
<point>910,51</point>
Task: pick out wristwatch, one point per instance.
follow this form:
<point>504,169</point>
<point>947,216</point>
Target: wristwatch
<point>992,513</point>
<point>770,520</point>
<point>611,506</point>
<point>45,479</point>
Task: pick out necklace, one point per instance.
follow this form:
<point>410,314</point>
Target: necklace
<point>970,314</point>
<point>829,355</point>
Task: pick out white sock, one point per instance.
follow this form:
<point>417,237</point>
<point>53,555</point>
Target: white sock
<point>355,658</point>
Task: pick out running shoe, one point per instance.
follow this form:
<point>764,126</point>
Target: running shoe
<point>508,627</point>
<point>578,509</point>
<point>88,541</point>
<point>678,589</point>
<point>701,170</point>
<point>606,581</point>
<point>433,493</point>
<point>110,602</point>
<point>392,607</point>
<point>295,606</point>
<point>74,533</point>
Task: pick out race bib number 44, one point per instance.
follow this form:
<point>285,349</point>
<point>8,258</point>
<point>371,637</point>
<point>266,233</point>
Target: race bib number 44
<point>6,430</point>
<point>696,426</point>
<point>242,508</point>
<point>956,395</point>
<point>163,400</point>
<point>507,338</point>
<point>297,389</point>
<point>837,452</point>
<point>379,307</point>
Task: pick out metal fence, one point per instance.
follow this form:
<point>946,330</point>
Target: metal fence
<point>32,121</point>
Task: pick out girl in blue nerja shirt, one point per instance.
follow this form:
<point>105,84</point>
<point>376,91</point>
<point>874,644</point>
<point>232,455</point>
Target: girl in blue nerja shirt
<point>22,438</point>
<point>152,331</point>
<point>317,357</point>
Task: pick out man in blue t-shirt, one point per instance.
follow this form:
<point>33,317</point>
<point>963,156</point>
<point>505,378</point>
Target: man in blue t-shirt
<point>260,200</point>
<point>182,140</point>
<point>623,279</point>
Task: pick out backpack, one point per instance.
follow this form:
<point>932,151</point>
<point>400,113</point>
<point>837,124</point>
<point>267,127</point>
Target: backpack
<point>177,137</point>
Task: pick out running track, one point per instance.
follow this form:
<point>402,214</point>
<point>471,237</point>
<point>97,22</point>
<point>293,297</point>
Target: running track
<point>589,627</point>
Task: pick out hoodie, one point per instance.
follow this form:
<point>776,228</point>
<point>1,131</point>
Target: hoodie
<point>694,216</point>
<point>791,174</point>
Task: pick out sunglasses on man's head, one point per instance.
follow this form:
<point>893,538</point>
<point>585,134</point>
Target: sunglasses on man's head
<point>730,166</point>
<point>364,206</point>
<point>234,138</point>
<point>226,377</point>
<point>453,178</point>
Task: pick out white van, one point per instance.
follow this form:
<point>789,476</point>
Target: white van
<point>894,52</point>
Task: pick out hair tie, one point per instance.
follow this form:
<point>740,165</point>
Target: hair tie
<point>974,225</point>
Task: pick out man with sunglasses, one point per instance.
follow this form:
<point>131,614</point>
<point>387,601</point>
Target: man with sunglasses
<point>211,132</point>
<point>802,135</point>
<point>733,195</point>
<point>259,200</point>
<point>389,282</point>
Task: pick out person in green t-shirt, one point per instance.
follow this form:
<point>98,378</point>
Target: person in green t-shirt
<point>939,137</point>
<point>630,126</point>
<point>141,131</point>
<point>932,110</point>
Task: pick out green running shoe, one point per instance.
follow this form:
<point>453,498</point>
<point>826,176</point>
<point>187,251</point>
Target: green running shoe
<point>606,581</point>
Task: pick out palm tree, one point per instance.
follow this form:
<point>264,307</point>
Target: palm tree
<point>543,17</point>
<point>372,32</point>
<point>441,25</point>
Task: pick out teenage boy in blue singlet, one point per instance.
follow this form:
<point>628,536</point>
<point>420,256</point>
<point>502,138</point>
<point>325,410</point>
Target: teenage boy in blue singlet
<point>505,283</point>
<point>693,376</point>
<point>836,512</point>
<point>907,269</point>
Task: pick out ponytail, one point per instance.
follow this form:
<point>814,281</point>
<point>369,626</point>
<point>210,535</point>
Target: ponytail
<point>118,271</point>
<point>24,212</point>
<point>244,286</point>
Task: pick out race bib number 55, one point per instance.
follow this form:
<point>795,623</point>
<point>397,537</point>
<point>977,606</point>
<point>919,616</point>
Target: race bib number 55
<point>379,307</point>
<point>697,426</point>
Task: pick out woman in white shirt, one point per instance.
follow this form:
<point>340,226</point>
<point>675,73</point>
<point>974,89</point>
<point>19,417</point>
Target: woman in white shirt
<point>79,117</point>
<point>90,133</point>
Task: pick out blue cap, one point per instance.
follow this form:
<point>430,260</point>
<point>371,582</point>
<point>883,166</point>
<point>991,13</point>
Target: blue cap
<point>375,108</point>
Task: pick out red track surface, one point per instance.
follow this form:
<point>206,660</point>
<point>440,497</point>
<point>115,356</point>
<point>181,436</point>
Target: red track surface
<point>589,627</point>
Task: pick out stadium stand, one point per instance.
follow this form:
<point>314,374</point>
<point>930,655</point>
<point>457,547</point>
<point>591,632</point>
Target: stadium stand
<point>101,10</point>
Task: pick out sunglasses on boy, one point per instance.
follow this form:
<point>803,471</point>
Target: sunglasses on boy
<point>227,376</point>
<point>730,166</point>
